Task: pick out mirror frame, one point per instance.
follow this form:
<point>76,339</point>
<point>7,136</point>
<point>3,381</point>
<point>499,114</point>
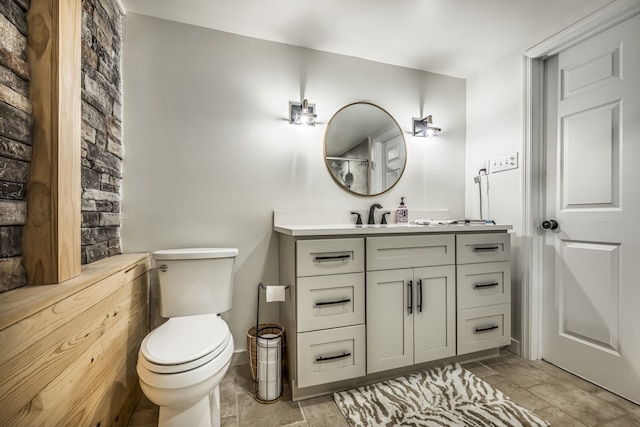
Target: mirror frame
<point>326,161</point>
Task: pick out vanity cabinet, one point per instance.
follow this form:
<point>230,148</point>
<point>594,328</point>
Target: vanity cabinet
<point>329,311</point>
<point>369,303</point>
<point>483,291</point>
<point>410,300</point>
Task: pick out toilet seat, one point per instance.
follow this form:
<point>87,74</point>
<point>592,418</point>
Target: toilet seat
<point>180,380</point>
<point>184,343</point>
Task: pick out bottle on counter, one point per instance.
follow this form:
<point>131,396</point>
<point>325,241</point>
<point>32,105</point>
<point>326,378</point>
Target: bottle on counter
<point>402,213</point>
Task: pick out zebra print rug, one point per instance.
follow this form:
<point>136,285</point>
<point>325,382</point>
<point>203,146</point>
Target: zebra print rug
<point>448,396</point>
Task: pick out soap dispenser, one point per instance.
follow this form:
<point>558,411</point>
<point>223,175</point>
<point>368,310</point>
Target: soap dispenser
<point>402,213</point>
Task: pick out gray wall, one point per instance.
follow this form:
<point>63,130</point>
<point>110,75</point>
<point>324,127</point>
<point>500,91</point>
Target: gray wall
<point>210,153</point>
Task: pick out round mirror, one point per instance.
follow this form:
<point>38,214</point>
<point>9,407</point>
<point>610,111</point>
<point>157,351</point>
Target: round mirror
<point>364,149</point>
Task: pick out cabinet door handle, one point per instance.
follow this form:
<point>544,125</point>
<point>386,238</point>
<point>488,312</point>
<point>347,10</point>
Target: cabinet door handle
<point>320,258</point>
<point>485,329</point>
<point>340,301</point>
<point>327,358</point>
<point>410,288</point>
<point>485,285</point>
<point>485,248</point>
<point>420,296</point>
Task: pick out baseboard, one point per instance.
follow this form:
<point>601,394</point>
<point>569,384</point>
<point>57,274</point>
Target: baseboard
<point>515,347</point>
<point>239,358</point>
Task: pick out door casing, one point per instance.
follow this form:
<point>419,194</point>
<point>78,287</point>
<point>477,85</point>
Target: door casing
<point>533,164</point>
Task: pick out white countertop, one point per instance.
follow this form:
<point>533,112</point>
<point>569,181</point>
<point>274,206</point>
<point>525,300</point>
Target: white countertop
<point>366,230</point>
<point>341,223</point>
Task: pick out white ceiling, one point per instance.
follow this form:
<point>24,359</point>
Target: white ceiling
<point>451,37</point>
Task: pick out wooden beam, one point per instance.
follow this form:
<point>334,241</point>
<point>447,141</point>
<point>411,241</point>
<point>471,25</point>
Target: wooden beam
<point>51,237</point>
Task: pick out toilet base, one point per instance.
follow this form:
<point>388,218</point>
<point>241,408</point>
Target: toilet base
<point>204,413</point>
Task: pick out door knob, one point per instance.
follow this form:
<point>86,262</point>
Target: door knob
<point>550,224</point>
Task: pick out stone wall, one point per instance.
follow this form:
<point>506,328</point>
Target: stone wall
<point>16,124</point>
<point>102,150</point>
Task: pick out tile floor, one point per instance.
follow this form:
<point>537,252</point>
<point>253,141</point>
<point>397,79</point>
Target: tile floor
<point>557,396</point>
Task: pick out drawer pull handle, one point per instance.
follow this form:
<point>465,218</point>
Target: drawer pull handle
<point>410,290</point>
<point>485,285</point>
<point>485,248</point>
<point>485,329</point>
<point>339,356</point>
<point>340,301</point>
<point>320,258</point>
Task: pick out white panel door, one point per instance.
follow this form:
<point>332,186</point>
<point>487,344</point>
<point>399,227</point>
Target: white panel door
<point>591,289</point>
<point>393,151</point>
<point>389,153</point>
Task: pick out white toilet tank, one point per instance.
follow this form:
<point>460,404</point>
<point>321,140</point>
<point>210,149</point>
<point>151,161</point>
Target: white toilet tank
<point>195,280</point>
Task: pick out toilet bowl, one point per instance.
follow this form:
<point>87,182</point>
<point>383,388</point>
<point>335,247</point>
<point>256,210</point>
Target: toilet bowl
<point>182,362</point>
<point>180,366</point>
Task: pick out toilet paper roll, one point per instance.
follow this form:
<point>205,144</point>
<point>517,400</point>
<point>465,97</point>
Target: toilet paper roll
<point>269,390</point>
<point>275,293</point>
<point>268,354</point>
<point>269,371</point>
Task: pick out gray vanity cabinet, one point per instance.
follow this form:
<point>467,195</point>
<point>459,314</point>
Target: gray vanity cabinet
<point>366,305</point>
<point>483,291</point>
<point>411,310</point>
<point>325,316</point>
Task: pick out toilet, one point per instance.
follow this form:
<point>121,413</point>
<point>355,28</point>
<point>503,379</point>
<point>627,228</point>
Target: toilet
<point>182,362</point>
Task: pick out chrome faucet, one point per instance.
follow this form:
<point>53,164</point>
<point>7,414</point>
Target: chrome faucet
<point>372,209</point>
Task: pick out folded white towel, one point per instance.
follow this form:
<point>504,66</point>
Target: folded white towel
<point>427,221</point>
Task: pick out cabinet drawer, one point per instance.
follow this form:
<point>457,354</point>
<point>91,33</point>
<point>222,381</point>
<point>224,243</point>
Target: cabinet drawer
<point>474,248</point>
<point>385,253</point>
<point>331,256</point>
<point>484,284</point>
<point>331,355</point>
<point>330,301</point>
<point>484,328</point>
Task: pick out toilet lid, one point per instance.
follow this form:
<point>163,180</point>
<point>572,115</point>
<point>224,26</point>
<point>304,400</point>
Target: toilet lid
<point>195,253</point>
<point>185,339</point>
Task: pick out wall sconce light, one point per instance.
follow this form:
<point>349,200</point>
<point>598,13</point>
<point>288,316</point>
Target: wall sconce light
<point>302,113</point>
<point>425,128</point>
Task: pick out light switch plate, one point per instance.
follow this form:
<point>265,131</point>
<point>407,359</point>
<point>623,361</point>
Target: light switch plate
<point>504,163</point>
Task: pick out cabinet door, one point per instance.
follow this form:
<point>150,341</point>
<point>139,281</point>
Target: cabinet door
<point>389,319</point>
<point>434,320</point>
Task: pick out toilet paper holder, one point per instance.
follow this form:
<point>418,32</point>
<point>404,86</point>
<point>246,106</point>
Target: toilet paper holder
<point>263,286</point>
<point>266,345</point>
<point>274,293</point>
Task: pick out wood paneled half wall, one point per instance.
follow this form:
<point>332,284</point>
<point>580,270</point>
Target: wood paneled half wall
<point>68,352</point>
